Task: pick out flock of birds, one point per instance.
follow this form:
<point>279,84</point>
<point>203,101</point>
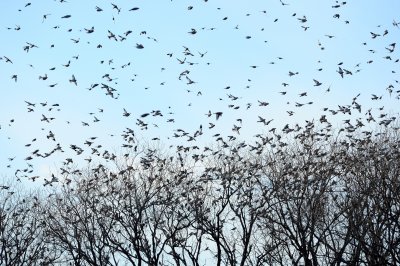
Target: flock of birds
<point>223,115</point>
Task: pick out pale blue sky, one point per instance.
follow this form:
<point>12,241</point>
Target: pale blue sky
<point>230,55</point>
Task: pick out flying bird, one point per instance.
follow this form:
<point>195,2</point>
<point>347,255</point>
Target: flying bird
<point>317,83</point>
<point>126,114</point>
<point>73,80</point>
<point>218,115</point>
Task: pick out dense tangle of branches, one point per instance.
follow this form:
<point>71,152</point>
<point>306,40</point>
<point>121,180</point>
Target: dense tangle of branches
<point>312,197</point>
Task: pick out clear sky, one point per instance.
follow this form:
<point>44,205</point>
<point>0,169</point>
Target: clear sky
<point>195,57</point>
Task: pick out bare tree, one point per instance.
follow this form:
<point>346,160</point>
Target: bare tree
<point>311,197</point>
<point>21,229</point>
<point>74,225</point>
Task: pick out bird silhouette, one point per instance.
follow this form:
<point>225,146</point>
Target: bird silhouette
<point>73,80</point>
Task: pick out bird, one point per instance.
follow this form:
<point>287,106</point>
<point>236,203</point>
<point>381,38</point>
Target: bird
<point>30,104</point>
<point>340,71</point>
<point>73,80</point>
<point>202,54</point>
<point>8,60</point>
<point>192,31</point>
<point>126,114</point>
<point>236,129</point>
<point>264,121</point>
<point>89,31</point>
<point>374,35</point>
<point>317,83</point>
<point>116,7</point>
<point>46,119</point>
<point>43,77</point>
<point>218,115</point>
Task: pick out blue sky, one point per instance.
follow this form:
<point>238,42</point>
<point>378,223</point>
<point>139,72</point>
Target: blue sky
<point>231,36</point>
